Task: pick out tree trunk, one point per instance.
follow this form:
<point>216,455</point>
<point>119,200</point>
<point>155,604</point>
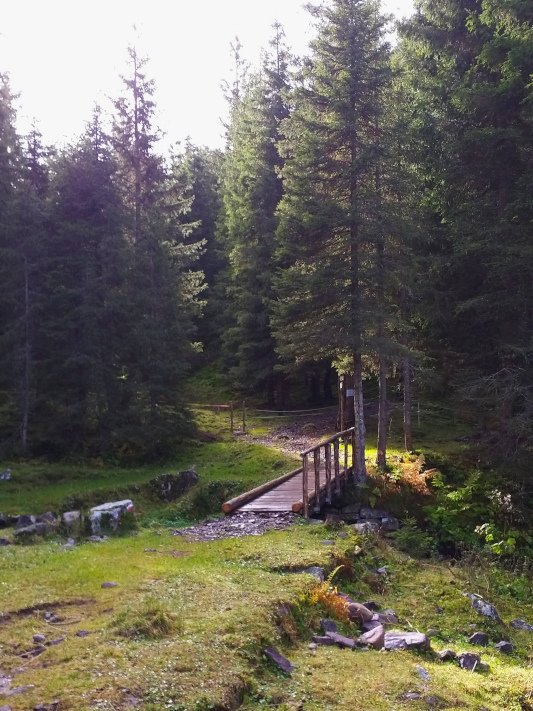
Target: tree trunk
<point>381,458</point>
<point>27,363</point>
<point>359,453</point>
<point>407,405</point>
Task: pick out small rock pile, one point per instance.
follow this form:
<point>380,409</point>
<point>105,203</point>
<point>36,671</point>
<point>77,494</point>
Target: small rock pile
<point>239,524</point>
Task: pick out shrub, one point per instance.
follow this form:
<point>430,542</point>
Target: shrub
<point>412,540</point>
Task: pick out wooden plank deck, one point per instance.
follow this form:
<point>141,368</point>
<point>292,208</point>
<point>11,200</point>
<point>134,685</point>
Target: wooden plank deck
<point>287,495</point>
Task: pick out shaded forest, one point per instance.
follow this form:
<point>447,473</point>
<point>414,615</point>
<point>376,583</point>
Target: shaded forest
<point>370,216</point>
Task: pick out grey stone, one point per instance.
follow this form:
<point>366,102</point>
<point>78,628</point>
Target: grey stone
<point>39,638</point>
<point>423,673</point>
<point>109,515</point>
<point>368,513</point>
<point>328,626</point>
<point>36,529</point>
<point>47,517</point>
<point>169,487</point>
<point>82,633</point>
<point>366,527</point>
<point>469,661</point>
<point>447,655</point>
<point>71,519</point>
<point>384,570</point>
<point>411,696</point>
<point>5,542</point>
<point>97,539</point>
<point>374,638</point>
<point>505,647</point>
<point>5,475</point>
<point>359,613</point>
<point>109,585</point>
<point>396,640</point>
<point>388,617</point>
<point>25,520</point>
<point>279,660</point>
<point>316,572</point>
<point>439,610</point>
<point>371,605</point>
<point>480,638</point>
<point>371,624</point>
<point>4,521</point>
<point>482,607</point>
<point>390,523</point>
<point>328,542</point>
<point>55,642</point>
<point>69,544</point>
<point>521,625</point>
<point>5,708</point>
<point>342,535</point>
<point>323,640</point>
<point>341,640</point>
<point>312,646</point>
<point>433,633</point>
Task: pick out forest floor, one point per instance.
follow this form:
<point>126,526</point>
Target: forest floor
<point>186,624</point>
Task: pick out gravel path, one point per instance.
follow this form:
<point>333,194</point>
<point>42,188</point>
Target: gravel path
<point>239,524</point>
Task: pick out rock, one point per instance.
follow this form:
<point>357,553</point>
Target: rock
<point>433,633</point>
<point>342,534</point>
<point>323,640</point>
<point>47,517</point>
<point>375,638</point>
<point>328,626</point>
<point>439,610</point>
<point>384,570</point>
<point>371,605</point>
<point>24,520</point>
<point>341,640</point>
<point>97,539</point>
<point>333,519</point>
<point>447,655</point>
<point>52,706</point>
<point>521,625</point>
<point>169,487</point>
<point>5,542</point>
<point>371,624</point>
<point>4,521</point>
<point>390,523</point>
<point>469,661</point>
<point>279,660</point>
<point>55,642</point>
<point>366,528</point>
<point>410,696</point>
<point>69,544</point>
<point>5,708</point>
<point>368,513</point>
<point>328,543</point>
<point>36,529</point>
<point>388,617</point>
<point>423,673</point>
<point>109,585</point>
<point>35,652</point>
<point>316,572</point>
<point>505,647</point>
<point>5,475</point>
<point>82,633</point>
<point>359,613</point>
<point>108,516</point>
<point>482,607</point>
<point>480,638</point>
<point>71,520</point>
<point>395,640</point>
<point>312,646</point>
<point>39,638</point>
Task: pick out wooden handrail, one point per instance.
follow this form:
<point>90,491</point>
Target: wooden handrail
<point>242,499</point>
<point>330,440</point>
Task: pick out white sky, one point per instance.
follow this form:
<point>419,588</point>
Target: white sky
<point>63,55</point>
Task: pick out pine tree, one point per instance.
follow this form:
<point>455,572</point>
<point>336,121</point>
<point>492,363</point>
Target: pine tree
<point>328,215</point>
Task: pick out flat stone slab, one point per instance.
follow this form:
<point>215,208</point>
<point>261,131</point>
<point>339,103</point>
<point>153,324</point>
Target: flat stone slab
<point>279,660</point>
<point>406,640</point>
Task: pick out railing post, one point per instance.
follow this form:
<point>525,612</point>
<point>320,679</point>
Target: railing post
<point>327,455</point>
<point>316,461</point>
<point>305,485</point>
<point>336,466</point>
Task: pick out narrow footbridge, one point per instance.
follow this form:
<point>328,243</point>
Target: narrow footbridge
<point>325,470</point>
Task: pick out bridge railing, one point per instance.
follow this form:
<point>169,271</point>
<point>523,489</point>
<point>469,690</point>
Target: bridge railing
<point>327,466</point>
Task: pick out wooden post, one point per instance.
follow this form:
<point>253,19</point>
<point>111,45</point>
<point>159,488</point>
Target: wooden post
<point>316,458</point>
<point>345,459</point>
<point>354,453</point>
<point>305,484</point>
<point>341,401</point>
<point>327,455</point>
<point>244,416</point>
<point>337,468</point>
<point>231,424</point>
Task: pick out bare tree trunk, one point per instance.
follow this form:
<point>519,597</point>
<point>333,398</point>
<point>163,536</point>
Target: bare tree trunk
<point>359,464</point>
<point>381,458</point>
<point>407,405</point>
<point>27,362</point>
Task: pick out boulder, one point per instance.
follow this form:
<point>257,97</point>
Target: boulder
<point>25,520</point>
<point>366,527</point>
<point>109,516</point>
<point>521,625</point>
<point>316,572</point>
<point>36,529</point>
<point>505,647</point>
<point>341,640</point>
<point>323,640</point>
<point>390,523</point>
<point>374,638</point>
<point>328,626</point>
<point>371,604</point>
<point>359,613</point>
<point>368,513</point>
<point>469,661</point>
<point>480,638</point>
<point>482,607</point>
<point>447,655</point>
<point>47,517</point>
<point>71,520</point>
<point>388,617</point>
<point>39,638</point>
<point>5,475</point>
<point>406,640</point>
<point>169,487</point>
<point>4,521</point>
<point>279,660</point>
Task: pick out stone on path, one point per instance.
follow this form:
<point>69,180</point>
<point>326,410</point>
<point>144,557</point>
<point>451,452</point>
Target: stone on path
<point>505,647</point>
<point>279,660</point>
<point>396,640</point>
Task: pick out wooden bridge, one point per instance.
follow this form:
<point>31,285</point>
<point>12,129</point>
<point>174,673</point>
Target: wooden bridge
<point>325,469</point>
